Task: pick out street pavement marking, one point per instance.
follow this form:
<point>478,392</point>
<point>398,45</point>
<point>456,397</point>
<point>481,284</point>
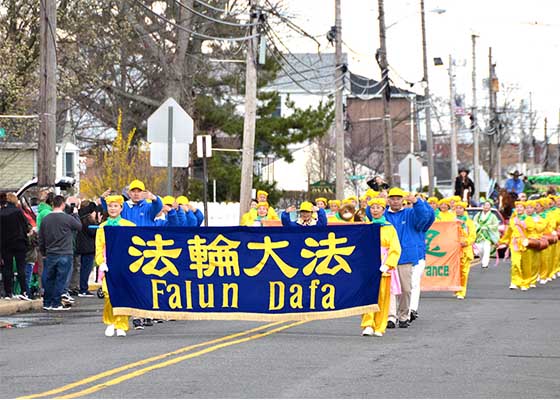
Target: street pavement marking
<point>176,360</point>
<point>145,361</point>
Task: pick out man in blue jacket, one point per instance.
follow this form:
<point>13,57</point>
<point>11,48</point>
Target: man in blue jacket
<point>137,209</point>
<point>409,224</point>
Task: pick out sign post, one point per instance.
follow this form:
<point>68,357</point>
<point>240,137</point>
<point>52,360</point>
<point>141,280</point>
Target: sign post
<point>170,132</point>
<point>204,150</point>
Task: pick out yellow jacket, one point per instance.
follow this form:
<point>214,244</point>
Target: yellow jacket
<point>390,242</point>
<point>468,234</point>
<point>248,219</point>
<point>536,225</point>
<point>100,256</point>
<point>446,216</point>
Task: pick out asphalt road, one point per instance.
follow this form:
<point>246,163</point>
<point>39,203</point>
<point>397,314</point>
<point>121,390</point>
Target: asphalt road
<point>497,343</point>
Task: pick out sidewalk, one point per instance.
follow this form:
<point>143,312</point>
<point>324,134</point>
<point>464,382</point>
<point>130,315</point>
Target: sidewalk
<point>9,307</point>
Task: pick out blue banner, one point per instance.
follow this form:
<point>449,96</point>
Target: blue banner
<point>243,273</point>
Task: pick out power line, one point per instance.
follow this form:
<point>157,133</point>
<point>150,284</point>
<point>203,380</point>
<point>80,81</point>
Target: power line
<point>201,35</point>
<point>219,21</point>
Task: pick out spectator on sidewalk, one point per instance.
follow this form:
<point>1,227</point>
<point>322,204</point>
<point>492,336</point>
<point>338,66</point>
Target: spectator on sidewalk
<point>56,243</point>
<point>13,245</point>
<point>85,245</point>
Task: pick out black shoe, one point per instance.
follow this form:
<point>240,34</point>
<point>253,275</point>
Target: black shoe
<point>158,321</point>
<point>148,322</point>
<point>74,292</point>
<point>403,324</point>
<point>413,315</point>
<point>137,323</point>
<point>391,325</point>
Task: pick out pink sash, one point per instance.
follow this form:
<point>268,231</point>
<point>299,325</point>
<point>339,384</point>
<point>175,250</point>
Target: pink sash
<point>395,281</point>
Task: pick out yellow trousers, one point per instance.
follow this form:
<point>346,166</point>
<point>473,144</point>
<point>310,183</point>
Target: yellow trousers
<point>556,265</point>
<point>120,321</point>
<point>526,268</point>
<point>465,269</point>
<point>535,264</point>
<point>544,265</point>
<point>516,267</point>
<point>378,320</point>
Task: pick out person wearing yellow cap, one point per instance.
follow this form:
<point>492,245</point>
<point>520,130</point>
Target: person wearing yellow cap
<point>114,323</point>
<point>305,218</point>
<point>445,211</point>
<point>411,225</point>
<point>353,200</point>
<point>333,215</point>
<point>321,202</point>
<point>137,208</point>
<point>249,216</point>
<point>547,256</point>
<point>535,227</point>
<point>262,197</point>
<point>487,233</point>
<point>433,202</point>
<point>363,202</point>
<point>168,215</point>
<point>375,324</point>
<point>370,195</point>
<point>514,238</point>
<point>467,238</point>
<point>262,215</point>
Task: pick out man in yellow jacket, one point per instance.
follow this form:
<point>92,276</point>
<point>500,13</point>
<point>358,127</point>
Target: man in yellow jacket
<point>376,323</point>
<point>468,236</point>
<point>118,323</point>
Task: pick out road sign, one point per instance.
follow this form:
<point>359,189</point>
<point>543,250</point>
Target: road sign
<point>2,132</point>
<point>158,124</point>
<point>203,145</point>
<point>356,177</point>
<point>158,155</point>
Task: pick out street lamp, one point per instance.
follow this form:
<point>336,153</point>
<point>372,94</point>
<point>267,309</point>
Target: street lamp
<point>429,139</point>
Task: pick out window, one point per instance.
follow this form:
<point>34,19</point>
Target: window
<point>69,165</point>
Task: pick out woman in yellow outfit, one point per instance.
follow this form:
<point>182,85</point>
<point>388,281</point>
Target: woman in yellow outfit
<point>376,323</point>
<point>535,228</point>
<point>262,215</point>
<point>445,212</point>
<point>547,255</point>
<point>520,262</point>
<point>118,323</point>
<point>468,236</point>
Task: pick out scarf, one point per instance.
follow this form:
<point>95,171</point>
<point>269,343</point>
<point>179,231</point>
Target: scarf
<point>113,221</point>
<point>381,220</point>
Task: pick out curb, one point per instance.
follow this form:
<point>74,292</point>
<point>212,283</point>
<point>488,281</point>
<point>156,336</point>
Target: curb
<point>9,307</point>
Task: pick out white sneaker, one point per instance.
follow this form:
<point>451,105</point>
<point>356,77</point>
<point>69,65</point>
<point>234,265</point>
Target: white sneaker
<point>524,289</point>
<point>378,334</point>
<point>460,297</point>
<point>368,331</point>
<point>513,287</point>
<point>549,279</point>
<point>542,281</point>
<point>110,330</point>
<point>121,332</point>
<point>532,285</point>
<point>23,297</point>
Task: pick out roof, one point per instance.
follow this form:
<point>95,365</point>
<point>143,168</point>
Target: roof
<point>312,72</point>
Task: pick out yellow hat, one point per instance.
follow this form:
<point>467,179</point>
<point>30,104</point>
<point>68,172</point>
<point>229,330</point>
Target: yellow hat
<point>181,200</point>
<point>136,184</point>
<point>520,203</point>
<point>337,202</point>
<point>445,200</point>
<point>363,197</point>
<point>461,204</point>
<point>116,198</point>
<point>433,200</point>
<point>306,206</point>
<point>263,204</point>
<point>380,201</point>
<point>396,192</point>
<point>352,198</point>
<point>168,200</point>
<point>530,203</point>
<point>371,193</point>
<point>347,201</point>
<point>455,198</point>
<point>259,192</point>
<point>323,199</point>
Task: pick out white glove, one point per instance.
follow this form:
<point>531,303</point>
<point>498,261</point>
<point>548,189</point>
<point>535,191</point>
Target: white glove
<point>384,268</point>
<point>103,267</point>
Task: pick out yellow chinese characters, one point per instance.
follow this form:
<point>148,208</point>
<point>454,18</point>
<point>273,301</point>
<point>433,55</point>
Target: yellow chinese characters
<point>328,254</point>
<point>269,246</point>
<point>157,253</point>
<point>219,254</point>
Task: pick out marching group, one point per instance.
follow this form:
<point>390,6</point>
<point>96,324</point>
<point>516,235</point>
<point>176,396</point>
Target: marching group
<point>69,234</point>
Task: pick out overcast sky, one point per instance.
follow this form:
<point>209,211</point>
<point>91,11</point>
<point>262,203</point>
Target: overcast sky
<point>524,36</point>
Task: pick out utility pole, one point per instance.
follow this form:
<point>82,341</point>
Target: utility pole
<point>250,114</point>
<point>521,155</point>
<point>452,126</point>
<point>387,125</point>
<point>474,126</point>
<point>46,155</point>
<point>491,117</point>
<point>429,140</point>
<point>558,144</point>
<point>545,163</point>
<point>338,111</point>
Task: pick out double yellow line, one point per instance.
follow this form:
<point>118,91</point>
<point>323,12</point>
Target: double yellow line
<point>214,345</point>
